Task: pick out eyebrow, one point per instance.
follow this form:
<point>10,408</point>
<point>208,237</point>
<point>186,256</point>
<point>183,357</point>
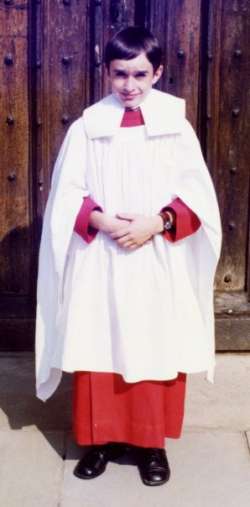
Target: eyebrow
<point>135,72</point>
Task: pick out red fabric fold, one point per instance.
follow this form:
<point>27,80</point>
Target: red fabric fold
<point>106,408</point>
<point>132,118</point>
<point>186,221</point>
<point>82,227</point>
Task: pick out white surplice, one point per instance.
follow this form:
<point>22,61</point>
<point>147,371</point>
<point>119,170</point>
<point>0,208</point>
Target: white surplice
<point>146,314</point>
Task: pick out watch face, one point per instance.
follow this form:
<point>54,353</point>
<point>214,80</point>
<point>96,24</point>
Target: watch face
<point>167,225</point>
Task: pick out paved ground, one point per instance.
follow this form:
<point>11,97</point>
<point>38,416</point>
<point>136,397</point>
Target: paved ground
<point>210,464</point>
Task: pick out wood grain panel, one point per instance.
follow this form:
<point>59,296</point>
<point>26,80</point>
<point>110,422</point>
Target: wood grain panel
<point>62,80</point>
<point>15,217</point>
<point>13,18</point>
<point>228,148</point>
<point>177,25</point>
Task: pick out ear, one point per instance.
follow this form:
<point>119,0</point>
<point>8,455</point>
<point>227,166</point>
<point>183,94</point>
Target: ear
<point>157,74</point>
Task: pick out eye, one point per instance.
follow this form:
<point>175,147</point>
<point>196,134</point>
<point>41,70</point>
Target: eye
<point>120,73</point>
<point>141,74</point>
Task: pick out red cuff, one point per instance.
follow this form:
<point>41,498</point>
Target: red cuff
<point>186,222</point>
<point>82,227</point>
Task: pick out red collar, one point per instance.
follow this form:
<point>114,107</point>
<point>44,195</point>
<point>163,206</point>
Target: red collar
<point>132,118</point>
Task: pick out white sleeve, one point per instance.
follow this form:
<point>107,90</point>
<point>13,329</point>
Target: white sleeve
<point>65,199</point>
<point>194,186</point>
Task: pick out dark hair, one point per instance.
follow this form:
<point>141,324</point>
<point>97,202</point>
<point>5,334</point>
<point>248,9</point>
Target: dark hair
<point>130,42</point>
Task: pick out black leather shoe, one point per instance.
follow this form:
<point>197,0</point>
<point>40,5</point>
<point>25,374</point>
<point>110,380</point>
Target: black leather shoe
<point>96,458</point>
<point>153,466</point>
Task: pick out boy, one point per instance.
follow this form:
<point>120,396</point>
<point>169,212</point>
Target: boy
<point>130,244</point>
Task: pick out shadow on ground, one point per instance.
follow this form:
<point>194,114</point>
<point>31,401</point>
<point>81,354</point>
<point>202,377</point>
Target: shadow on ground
<point>19,407</point>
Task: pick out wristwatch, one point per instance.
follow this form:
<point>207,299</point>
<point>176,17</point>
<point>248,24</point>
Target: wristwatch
<point>168,219</point>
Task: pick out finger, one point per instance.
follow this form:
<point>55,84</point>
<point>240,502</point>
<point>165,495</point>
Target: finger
<point>126,216</point>
<point>129,246</point>
<point>134,246</point>
<point>124,240</point>
<point>118,234</point>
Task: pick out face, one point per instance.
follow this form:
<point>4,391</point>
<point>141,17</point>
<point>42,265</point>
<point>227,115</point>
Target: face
<point>131,80</point>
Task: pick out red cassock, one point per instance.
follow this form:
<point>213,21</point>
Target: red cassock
<point>105,407</point>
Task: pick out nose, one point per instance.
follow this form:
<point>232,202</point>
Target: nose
<point>129,84</point>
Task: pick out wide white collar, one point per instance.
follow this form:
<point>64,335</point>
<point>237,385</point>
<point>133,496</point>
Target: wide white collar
<point>163,114</point>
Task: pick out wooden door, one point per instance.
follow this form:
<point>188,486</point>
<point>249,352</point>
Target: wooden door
<point>51,68</point>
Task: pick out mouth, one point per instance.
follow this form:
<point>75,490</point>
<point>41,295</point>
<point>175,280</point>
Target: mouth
<point>129,97</point>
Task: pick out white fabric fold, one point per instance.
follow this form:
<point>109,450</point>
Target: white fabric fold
<point>146,314</point>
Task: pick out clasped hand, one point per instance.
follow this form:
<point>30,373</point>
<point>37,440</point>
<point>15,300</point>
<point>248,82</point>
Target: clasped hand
<point>131,231</point>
